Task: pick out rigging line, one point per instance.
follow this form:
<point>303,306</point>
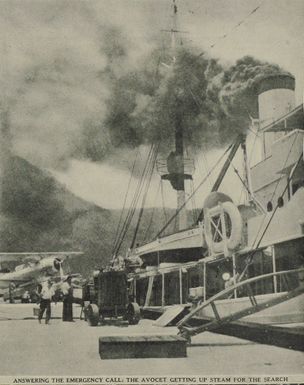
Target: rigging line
<point>200,107</point>
<point>193,204</point>
<point>193,201</point>
<point>242,190</point>
<point>247,164</point>
<point>125,199</point>
<point>127,224</point>
<point>200,166</point>
<point>133,204</point>
<point>153,211</point>
<point>210,180</point>
<point>252,149</point>
<point>195,190</point>
<point>194,211</point>
<point>285,164</point>
<point>194,97</point>
<point>277,184</point>
<point>205,159</point>
<point>251,130</point>
<point>234,27</point>
<point>249,159</point>
<point>206,165</point>
<point>241,180</point>
<point>149,178</point>
<point>135,198</point>
<point>163,200</point>
<point>243,183</point>
<point>140,187</point>
<point>132,212</point>
<point>154,81</point>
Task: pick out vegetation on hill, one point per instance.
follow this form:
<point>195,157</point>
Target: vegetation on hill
<point>40,214</point>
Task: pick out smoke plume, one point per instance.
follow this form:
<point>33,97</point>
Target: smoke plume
<point>211,102</point>
<point>76,86</point>
<point>58,65</point>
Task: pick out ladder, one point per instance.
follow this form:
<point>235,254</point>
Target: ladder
<point>213,323</point>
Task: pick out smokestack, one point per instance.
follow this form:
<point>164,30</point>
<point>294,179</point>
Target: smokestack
<point>276,97</point>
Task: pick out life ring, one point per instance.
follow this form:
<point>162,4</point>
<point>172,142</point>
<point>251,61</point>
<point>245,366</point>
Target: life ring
<point>234,235</point>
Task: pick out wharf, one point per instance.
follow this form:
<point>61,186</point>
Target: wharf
<point>72,349</point>
<point>24,311</point>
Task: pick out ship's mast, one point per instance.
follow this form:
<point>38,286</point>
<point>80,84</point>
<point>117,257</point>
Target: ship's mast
<point>179,139</point>
<point>174,30</point>
<point>175,170</point>
<point>180,186</point>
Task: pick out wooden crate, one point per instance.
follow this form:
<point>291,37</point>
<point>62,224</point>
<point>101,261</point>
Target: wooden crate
<point>142,346</point>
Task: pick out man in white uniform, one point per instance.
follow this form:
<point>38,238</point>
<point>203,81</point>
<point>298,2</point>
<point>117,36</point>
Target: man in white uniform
<point>46,295</point>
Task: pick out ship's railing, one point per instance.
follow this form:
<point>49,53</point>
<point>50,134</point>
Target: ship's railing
<point>165,269</point>
<point>255,307</point>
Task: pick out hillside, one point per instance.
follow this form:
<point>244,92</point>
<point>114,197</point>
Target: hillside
<point>39,214</point>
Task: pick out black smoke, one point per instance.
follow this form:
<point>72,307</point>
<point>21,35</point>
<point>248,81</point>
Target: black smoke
<point>84,87</point>
<point>213,103</point>
<point>81,88</point>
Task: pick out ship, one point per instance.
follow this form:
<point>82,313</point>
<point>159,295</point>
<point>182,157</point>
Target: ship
<point>235,257</point>
<point>264,237</point>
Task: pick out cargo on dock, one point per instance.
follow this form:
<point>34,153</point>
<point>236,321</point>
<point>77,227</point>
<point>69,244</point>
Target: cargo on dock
<point>142,346</point>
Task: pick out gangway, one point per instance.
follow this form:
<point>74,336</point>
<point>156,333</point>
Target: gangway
<point>213,323</point>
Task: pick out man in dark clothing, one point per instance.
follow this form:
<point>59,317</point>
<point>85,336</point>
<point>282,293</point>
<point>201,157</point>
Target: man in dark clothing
<point>67,290</point>
<point>11,289</point>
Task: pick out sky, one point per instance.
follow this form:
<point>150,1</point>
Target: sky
<point>53,51</point>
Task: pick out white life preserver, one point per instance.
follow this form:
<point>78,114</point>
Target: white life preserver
<point>235,237</point>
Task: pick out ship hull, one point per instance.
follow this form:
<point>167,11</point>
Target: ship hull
<point>289,313</point>
<point>166,285</point>
<point>252,243</point>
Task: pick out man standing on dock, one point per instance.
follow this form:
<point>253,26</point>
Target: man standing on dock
<point>11,289</point>
<point>46,295</point>
<point>67,291</point>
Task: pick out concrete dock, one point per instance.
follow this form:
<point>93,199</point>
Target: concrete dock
<point>28,348</point>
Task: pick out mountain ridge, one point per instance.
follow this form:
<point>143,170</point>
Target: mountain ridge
<point>39,213</point>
